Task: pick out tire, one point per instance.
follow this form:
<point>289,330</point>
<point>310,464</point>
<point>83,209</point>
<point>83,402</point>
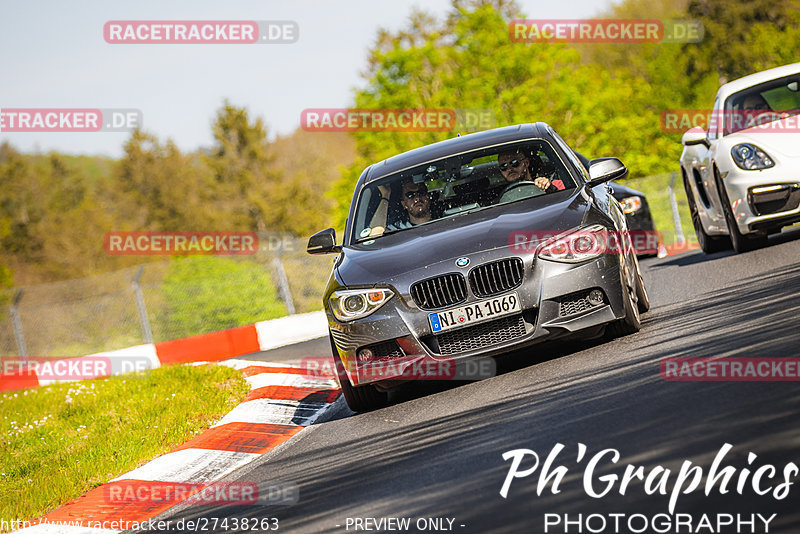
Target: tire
<point>741,242</point>
<point>642,299</point>
<point>708,244</point>
<point>632,322</point>
<point>358,398</point>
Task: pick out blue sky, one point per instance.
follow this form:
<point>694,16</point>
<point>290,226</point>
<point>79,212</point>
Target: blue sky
<point>53,55</point>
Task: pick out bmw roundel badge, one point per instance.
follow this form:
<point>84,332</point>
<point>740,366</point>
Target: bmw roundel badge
<point>462,262</point>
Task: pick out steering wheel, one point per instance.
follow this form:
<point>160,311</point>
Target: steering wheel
<point>520,190</point>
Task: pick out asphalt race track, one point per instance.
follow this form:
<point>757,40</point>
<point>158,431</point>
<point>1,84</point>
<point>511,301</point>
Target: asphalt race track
<point>437,451</point>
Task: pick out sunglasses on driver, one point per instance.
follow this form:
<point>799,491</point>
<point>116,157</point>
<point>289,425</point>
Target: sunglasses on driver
<point>417,193</point>
<point>513,163</point>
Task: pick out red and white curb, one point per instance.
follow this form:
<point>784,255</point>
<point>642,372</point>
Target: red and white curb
<point>212,347</point>
<point>283,400</point>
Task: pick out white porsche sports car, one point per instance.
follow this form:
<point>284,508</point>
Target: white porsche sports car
<point>742,174</point>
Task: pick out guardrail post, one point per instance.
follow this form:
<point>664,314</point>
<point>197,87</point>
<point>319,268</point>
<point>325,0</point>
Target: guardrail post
<point>283,281</point>
<point>137,289</point>
<point>15,320</point>
<point>676,217</point>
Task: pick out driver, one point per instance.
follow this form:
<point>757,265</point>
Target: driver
<point>753,106</point>
<point>516,167</point>
<point>755,102</point>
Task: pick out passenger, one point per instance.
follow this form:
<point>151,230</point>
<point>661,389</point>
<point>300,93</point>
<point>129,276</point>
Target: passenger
<point>415,201</point>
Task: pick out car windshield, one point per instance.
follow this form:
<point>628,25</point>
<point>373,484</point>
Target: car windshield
<point>762,104</point>
<point>459,185</point>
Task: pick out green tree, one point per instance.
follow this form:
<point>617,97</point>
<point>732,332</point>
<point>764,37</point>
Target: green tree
<point>278,186</point>
<point>52,220</point>
<point>309,163</point>
<point>161,189</point>
<point>240,167</point>
<point>469,61</point>
<point>6,278</point>
<point>740,38</point>
<point>21,206</point>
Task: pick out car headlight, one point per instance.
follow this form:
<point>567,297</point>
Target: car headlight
<point>750,157</point>
<point>580,245</point>
<point>350,304</point>
<point>631,205</point>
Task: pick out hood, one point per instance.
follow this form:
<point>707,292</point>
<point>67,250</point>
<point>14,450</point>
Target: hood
<point>423,247</point>
<point>777,137</point>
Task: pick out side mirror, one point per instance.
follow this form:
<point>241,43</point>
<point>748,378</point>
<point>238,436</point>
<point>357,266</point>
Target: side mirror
<point>695,136</point>
<point>606,169</point>
<point>323,242</point>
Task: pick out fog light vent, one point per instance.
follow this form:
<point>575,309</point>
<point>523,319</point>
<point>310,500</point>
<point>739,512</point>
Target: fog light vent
<point>365,355</point>
<point>580,302</point>
<point>379,351</point>
<point>595,297</point>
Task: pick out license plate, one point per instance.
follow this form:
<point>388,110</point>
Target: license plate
<point>474,313</point>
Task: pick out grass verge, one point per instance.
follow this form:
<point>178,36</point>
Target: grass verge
<point>208,293</point>
<point>656,190</point>
<point>58,442</point>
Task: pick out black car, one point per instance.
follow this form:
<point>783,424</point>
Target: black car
<point>644,235</point>
<point>472,247</point>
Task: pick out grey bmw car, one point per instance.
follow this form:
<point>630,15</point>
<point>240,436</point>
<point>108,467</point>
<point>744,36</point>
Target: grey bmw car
<point>472,247</point>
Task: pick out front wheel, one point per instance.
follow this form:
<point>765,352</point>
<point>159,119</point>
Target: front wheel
<point>642,299</point>
<point>358,398</point>
<point>741,242</point>
<point>632,322</point>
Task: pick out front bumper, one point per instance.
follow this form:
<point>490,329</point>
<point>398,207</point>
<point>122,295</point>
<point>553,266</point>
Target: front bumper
<point>764,200</point>
<point>553,305</point>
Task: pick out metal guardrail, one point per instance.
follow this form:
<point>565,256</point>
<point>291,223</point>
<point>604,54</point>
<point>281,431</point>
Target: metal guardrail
<point>158,301</point>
